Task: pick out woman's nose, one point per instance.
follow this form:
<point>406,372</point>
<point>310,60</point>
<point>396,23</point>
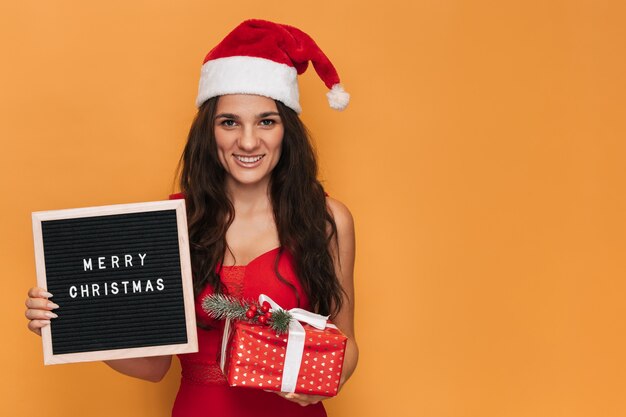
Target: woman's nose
<point>249,139</point>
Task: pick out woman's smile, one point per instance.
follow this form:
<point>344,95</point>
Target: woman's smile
<point>251,161</point>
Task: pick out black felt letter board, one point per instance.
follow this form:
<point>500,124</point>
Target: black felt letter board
<point>118,281</point>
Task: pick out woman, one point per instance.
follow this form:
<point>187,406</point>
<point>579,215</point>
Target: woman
<point>259,220</point>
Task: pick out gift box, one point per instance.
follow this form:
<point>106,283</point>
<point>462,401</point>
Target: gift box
<point>307,361</point>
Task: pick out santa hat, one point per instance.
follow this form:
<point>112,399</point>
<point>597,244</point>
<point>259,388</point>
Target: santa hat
<point>264,58</point>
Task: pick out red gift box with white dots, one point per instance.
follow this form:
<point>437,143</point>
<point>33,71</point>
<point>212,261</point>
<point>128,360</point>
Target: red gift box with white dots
<point>256,354</point>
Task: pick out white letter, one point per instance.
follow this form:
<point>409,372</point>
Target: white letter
<point>136,286</point>
<point>101,264</point>
<point>114,289</point>
<point>106,289</point>
<point>160,285</point>
<point>95,289</point>
<point>149,286</point>
<point>87,264</point>
<point>125,283</point>
<point>128,260</point>
<point>84,290</point>
<point>115,261</point>
<point>73,291</point>
<point>142,258</point>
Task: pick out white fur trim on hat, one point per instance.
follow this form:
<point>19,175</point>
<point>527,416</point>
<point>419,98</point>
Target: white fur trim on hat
<point>249,75</point>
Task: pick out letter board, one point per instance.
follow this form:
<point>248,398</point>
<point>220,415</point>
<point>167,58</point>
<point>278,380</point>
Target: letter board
<point>121,276</point>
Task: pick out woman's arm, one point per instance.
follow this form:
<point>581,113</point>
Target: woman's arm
<point>343,251</point>
<point>39,312</point>
<point>150,369</point>
<point>343,255</point>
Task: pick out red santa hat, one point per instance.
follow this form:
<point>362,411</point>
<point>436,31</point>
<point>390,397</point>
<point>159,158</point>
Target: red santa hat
<point>264,58</point>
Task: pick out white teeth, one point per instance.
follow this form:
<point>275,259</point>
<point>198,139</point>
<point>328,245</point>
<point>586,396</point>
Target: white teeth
<point>249,159</point>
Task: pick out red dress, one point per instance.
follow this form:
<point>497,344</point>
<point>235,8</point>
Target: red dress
<point>203,390</point>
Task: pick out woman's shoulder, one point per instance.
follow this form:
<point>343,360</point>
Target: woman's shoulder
<point>341,214</point>
<point>344,246</point>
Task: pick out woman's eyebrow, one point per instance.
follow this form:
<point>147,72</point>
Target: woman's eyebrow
<point>227,116</point>
<point>268,113</point>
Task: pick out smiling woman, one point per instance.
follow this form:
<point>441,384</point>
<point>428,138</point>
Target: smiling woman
<point>259,219</point>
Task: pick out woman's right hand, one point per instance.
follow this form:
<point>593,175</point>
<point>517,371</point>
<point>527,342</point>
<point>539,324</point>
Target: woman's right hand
<point>39,309</point>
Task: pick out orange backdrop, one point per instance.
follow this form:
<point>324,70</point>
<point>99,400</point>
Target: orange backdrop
<point>482,157</point>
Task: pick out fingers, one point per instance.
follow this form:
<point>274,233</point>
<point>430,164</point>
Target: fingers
<point>38,309</point>
<point>36,325</point>
<point>37,292</point>
<point>301,399</point>
<point>35,314</point>
<point>40,304</point>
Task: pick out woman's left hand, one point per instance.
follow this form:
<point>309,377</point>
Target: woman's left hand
<point>302,399</point>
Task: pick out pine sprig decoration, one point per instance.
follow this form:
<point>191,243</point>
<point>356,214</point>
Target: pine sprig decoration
<point>280,321</point>
<point>223,306</point>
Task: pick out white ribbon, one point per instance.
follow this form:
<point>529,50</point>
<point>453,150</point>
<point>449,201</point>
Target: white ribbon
<point>295,340</point>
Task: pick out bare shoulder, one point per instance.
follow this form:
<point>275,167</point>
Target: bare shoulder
<point>342,215</point>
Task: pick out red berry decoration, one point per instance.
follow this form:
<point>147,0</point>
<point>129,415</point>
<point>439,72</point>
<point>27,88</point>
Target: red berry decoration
<point>250,314</point>
<point>268,315</point>
<point>265,307</point>
<point>252,307</point>
<point>262,319</point>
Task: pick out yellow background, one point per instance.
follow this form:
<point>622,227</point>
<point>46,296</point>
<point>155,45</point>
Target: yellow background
<point>482,157</point>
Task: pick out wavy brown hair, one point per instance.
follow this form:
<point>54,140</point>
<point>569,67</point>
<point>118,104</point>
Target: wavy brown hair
<point>305,225</point>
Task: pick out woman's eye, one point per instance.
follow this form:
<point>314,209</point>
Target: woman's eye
<point>267,122</point>
<point>228,123</point>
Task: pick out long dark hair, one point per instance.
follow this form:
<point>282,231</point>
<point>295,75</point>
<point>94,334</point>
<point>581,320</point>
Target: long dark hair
<point>305,225</point>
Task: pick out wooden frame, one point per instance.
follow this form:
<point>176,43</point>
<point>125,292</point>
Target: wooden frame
<point>191,344</point>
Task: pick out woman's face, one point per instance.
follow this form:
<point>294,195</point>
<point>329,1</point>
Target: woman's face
<point>249,136</point>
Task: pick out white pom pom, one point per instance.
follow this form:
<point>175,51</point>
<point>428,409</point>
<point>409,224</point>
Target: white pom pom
<point>338,98</point>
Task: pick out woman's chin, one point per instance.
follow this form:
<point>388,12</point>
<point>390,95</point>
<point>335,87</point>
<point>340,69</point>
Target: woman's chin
<point>249,179</point>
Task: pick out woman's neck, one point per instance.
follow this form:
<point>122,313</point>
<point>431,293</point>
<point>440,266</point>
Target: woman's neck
<point>249,197</point>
